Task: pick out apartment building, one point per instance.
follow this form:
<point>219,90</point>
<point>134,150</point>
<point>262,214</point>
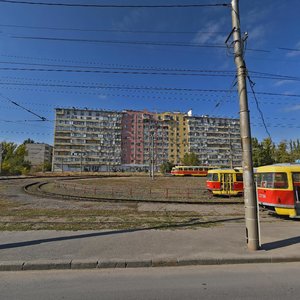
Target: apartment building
<point>132,137</point>
<point>216,141</point>
<point>38,154</point>
<point>97,140</point>
<point>156,139</point>
<point>177,128</point>
<point>144,137</point>
<point>86,140</point>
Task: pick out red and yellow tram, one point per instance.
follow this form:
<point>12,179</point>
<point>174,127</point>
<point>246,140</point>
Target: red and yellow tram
<point>227,182</point>
<point>190,170</point>
<point>278,188</point>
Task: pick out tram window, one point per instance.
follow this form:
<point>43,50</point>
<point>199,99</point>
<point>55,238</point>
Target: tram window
<point>239,177</point>
<point>296,179</point>
<point>213,177</point>
<point>280,181</point>
<point>265,180</point>
<point>272,180</point>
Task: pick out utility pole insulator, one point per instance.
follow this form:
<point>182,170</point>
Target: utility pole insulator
<point>251,210</point>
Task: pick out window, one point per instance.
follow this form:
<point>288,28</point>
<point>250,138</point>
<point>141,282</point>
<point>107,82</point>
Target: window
<point>212,177</point>
<point>272,180</point>
<point>239,177</point>
<point>296,178</point>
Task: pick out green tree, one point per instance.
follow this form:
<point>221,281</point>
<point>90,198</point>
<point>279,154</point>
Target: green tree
<point>166,167</point>
<point>256,152</point>
<point>281,153</point>
<point>268,152</point>
<point>13,159</point>
<point>190,159</point>
<point>29,141</point>
<point>295,150</point>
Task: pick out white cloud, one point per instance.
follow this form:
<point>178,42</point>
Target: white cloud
<point>255,15</point>
<point>294,53</point>
<point>293,108</point>
<point>133,18</point>
<point>257,33</point>
<point>282,82</point>
<point>207,34</point>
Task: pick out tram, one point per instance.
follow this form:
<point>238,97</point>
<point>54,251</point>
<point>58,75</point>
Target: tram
<point>278,188</point>
<point>190,170</point>
<point>226,182</point>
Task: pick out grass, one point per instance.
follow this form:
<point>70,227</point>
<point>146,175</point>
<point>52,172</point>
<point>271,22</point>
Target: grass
<point>22,216</point>
<point>55,219</point>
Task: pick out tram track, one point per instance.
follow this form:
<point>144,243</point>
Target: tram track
<point>35,189</point>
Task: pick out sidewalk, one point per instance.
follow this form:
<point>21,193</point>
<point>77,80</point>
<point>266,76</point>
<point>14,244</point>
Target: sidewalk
<point>222,244</point>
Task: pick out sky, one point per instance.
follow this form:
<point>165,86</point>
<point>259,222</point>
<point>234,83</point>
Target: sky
<point>158,59</point>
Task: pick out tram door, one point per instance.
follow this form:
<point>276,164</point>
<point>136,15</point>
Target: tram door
<point>296,187</point>
<point>227,183</point>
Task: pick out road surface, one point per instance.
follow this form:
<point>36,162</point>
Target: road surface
<point>259,281</point>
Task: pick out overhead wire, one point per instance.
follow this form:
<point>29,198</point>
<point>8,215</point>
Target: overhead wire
<point>22,107</point>
<point>116,5</point>
<point>110,30</point>
<point>258,107</point>
<point>147,43</point>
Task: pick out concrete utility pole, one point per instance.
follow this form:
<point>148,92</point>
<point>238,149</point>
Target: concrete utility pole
<point>252,228</point>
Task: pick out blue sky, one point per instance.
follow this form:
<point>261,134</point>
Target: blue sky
<point>271,25</point>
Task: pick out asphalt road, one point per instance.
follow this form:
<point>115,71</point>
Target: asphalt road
<point>259,281</point>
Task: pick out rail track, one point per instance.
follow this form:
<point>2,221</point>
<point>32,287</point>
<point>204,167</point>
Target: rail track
<point>36,188</point>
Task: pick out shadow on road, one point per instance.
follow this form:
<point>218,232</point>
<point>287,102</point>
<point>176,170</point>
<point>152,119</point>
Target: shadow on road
<point>191,222</point>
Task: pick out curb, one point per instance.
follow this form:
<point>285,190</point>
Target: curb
<point>79,264</point>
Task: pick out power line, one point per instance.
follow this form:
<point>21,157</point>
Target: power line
<point>24,132</point>
<point>111,30</point>
<point>22,107</point>
<point>258,108</point>
<point>257,74</point>
<point>138,97</point>
<point>152,88</point>
<point>289,49</point>
<point>124,67</point>
<point>150,43</point>
<point>207,73</point>
<point>147,43</point>
<point>116,5</point>
<point>201,73</point>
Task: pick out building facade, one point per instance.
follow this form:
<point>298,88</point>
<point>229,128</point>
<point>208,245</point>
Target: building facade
<point>38,154</point>
<point>86,140</point>
<point>144,138</point>
<point>216,141</point>
<point>97,140</point>
<point>177,128</point>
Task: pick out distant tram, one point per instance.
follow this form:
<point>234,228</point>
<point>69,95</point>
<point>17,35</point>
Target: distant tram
<point>190,170</point>
<point>278,188</point>
<point>226,182</point>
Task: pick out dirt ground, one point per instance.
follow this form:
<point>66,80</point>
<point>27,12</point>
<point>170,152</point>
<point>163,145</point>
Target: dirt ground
<point>170,182</point>
<point>21,211</point>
